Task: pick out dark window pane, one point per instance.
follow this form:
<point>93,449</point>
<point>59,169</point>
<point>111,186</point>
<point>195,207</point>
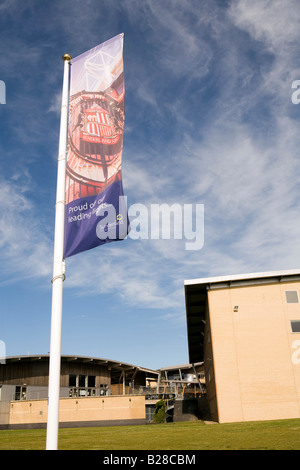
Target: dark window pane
<point>72,380</point>
<point>295,326</point>
<point>81,381</point>
<point>91,381</point>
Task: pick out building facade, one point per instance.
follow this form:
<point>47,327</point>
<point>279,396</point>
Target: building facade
<point>93,391</point>
<point>246,330</point>
<point>26,377</point>
<point>24,386</point>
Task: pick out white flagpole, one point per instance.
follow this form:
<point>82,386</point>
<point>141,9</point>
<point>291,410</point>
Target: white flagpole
<point>58,271</point>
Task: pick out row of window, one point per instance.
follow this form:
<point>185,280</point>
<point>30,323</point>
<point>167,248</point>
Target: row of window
<point>81,386</point>
<point>292,298</point>
<point>83,381</point>
<point>87,392</point>
<point>84,386</point>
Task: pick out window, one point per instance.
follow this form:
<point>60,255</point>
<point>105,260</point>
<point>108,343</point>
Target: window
<point>72,380</point>
<point>92,381</point>
<point>82,385</point>
<point>295,325</point>
<point>291,296</point>
<point>81,381</point>
<point>20,393</point>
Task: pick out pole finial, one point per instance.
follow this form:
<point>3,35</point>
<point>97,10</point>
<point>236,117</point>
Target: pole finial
<point>66,57</point>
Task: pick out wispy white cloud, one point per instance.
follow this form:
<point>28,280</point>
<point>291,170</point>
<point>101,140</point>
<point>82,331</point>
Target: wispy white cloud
<point>275,23</point>
<point>128,273</point>
<point>55,104</point>
<point>274,27</point>
<point>23,245</point>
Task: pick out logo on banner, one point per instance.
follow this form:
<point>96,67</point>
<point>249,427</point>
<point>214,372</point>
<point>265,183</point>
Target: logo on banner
<point>98,127</point>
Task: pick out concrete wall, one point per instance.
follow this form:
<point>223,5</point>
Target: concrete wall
<point>4,414</point>
<point>7,392</point>
<point>79,410</point>
<point>256,356</point>
<point>210,383</point>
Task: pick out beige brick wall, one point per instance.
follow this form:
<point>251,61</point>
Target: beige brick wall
<point>79,409</point>
<point>256,361</point>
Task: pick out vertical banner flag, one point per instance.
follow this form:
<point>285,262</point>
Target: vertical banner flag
<point>95,211</point>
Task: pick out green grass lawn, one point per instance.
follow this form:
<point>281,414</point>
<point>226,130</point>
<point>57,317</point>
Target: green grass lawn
<point>266,435</point>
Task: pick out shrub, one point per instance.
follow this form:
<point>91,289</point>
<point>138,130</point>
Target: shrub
<point>160,410</point>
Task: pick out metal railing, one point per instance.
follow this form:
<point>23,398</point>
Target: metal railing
<point>170,390</point>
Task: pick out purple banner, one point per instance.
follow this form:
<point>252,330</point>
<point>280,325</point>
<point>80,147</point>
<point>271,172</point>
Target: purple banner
<point>95,211</point>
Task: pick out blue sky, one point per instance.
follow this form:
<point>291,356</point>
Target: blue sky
<point>208,120</point>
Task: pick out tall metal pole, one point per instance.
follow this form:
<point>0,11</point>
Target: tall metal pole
<point>58,271</point>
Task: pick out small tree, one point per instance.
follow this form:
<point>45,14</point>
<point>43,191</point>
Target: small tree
<point>160,410</point>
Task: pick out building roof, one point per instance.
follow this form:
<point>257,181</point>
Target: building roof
<point>196,298</point>
<point>257,277</point>
<point>114,366</point>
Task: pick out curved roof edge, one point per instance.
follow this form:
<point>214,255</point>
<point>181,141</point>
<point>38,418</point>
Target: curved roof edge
<point>74,358</point>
